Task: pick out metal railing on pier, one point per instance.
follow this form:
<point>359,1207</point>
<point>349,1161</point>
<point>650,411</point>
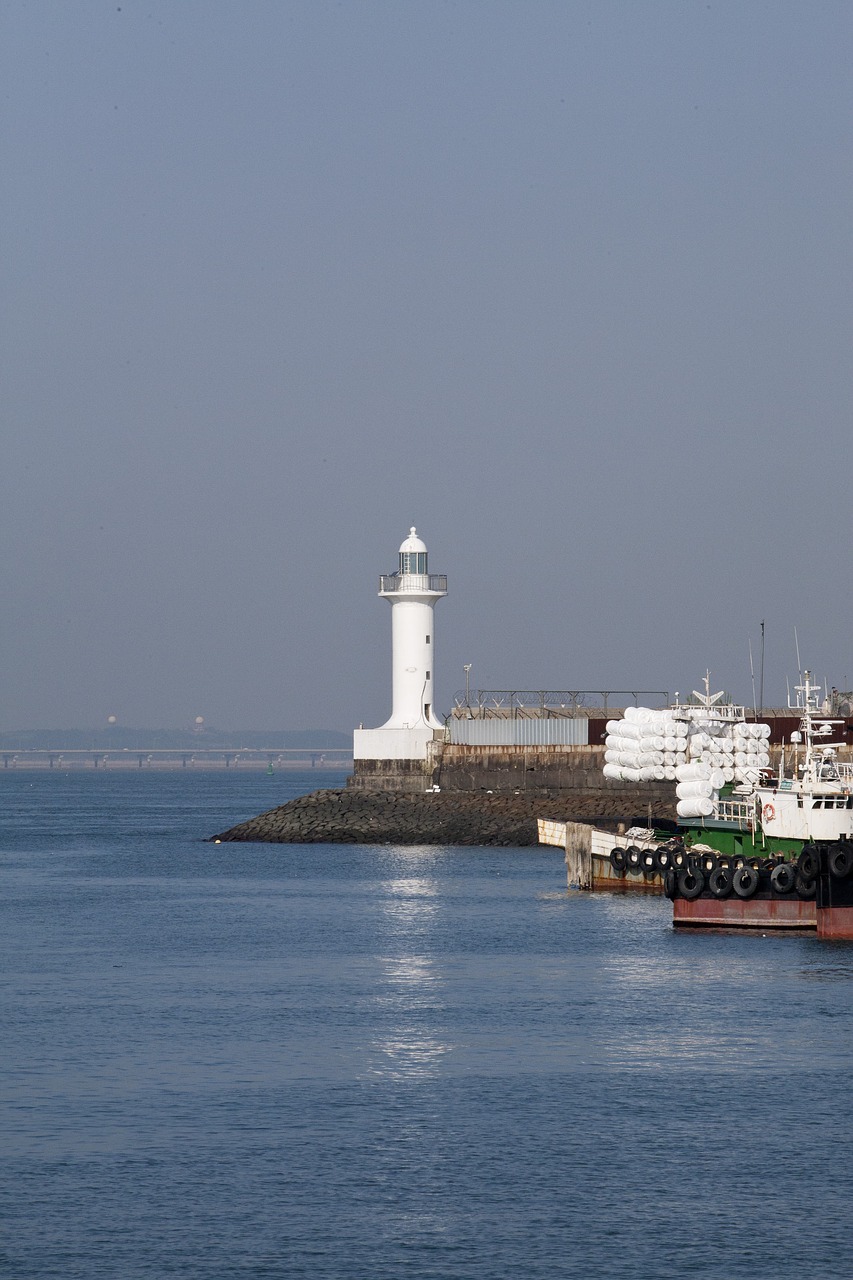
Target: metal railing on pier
<point>538,703</point>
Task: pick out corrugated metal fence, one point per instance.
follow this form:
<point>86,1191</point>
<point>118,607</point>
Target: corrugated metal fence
<point>559,731</point>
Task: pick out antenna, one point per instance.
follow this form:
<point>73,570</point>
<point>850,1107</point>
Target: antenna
<point>752,674</point>
<point>761,683</point>
<point>797,643</point>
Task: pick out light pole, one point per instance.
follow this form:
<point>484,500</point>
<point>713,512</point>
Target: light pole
<point>467,669</point>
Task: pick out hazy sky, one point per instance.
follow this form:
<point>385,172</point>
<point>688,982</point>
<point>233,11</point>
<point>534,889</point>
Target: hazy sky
<point>566,285</point>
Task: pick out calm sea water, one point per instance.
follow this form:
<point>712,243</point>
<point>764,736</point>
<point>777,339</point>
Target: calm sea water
<point>330,1061</point>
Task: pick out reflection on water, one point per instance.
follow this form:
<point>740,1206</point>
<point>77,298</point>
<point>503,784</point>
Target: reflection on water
<point>408,1055</point>
<point>410,1000</point>
<point>409,907</point>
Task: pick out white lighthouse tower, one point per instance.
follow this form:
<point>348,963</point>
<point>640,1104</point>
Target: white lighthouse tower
<point>412,592</point>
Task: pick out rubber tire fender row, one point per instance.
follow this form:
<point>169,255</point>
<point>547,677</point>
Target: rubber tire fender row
<point>708,863</point>
<point>617,859</point>
<point>745,880</point>
<point>691,882</point>
<point>783,877</point>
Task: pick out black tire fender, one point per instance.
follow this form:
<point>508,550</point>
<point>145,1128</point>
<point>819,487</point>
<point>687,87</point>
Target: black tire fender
<point>691,882</point>
<point>720,882</point>
<point>806,886</point>
<point>840,859</point>
<point>783,877</point>
<point>745,881</point>
<point>663,858</point>
<point>633,860</point>
<point>617,859</point>
<point>808,862</point>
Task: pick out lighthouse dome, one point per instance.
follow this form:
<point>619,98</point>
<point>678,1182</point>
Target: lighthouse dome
<point>413,542</point>
<point>413,554</point>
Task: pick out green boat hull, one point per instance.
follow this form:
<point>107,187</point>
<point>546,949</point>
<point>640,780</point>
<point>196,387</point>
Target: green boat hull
<point>731,840</point>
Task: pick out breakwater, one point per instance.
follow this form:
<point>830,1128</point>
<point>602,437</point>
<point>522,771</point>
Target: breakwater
<point>353,816</point>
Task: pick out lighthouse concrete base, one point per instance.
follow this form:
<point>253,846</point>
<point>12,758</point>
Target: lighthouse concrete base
<point>392,744</point>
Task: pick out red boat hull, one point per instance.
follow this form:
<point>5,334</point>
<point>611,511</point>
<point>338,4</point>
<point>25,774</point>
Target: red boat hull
<point>745,913</point>
<point>836,923</point>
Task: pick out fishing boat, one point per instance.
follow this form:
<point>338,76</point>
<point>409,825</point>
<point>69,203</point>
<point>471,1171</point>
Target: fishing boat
<point>764,849</point>
<point>755,846</point>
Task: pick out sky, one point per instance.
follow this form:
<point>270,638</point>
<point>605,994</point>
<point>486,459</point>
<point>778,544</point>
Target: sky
<point>566,285</point>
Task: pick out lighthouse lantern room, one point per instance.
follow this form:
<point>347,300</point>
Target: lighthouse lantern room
<point>412,592</point>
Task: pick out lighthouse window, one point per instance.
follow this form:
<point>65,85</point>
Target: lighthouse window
<point>427,639</point>
<point>413,562</point>
<point>427,675</point>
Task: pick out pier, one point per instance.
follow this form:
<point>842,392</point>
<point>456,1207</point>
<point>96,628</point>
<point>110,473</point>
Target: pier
<point>159,758</point>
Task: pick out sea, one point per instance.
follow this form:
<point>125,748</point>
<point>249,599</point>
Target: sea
<point>392,1063</point>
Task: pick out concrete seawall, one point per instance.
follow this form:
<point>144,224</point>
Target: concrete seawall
<point>447,817</point>
<point>533,770</point>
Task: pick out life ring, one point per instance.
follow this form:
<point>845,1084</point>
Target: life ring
<point>768,813</point>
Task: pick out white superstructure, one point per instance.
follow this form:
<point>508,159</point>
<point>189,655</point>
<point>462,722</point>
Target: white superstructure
<point>412,593</point>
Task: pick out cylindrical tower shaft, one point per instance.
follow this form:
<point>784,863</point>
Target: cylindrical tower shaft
<point>412,593</point>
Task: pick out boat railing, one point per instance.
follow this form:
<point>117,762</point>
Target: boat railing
<point>740,811</point>
<point>722,712</point>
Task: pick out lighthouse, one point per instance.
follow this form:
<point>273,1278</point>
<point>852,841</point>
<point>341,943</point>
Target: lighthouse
<point>412,593</point>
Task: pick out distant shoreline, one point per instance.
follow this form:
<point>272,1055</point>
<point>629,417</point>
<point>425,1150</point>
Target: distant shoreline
<point>65,762</point>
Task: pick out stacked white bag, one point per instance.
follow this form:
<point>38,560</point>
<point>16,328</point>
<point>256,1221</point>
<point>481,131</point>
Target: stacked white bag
<point>646,746</point>
<point>689,746</point>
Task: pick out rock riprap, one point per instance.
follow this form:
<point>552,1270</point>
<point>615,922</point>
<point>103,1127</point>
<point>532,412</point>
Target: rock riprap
<point>385,817</point>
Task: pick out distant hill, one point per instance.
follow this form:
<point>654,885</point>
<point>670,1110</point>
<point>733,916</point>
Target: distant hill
<point>117,738</point>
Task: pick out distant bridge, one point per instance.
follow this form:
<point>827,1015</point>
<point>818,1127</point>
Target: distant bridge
<point>175,757</point>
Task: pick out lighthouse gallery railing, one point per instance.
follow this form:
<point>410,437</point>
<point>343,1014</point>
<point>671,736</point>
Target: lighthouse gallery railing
<point>413,582</point>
